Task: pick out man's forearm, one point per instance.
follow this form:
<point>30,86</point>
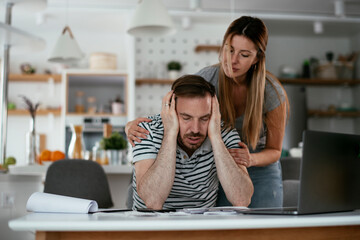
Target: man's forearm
<point>234,180</point>
<point>155,186</point>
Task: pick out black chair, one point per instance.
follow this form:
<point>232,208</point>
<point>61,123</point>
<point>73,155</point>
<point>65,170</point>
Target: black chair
<point>79,178</point>
<point>291,180</point>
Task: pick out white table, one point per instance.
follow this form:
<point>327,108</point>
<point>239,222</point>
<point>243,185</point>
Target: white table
<point>118,226</point>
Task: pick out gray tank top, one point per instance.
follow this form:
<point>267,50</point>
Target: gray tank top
<point>271,100</point>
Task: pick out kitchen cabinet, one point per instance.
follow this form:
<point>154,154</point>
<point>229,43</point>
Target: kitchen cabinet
<point>102,88</point>
<point>316,104</point>
<point>105,87</point>
<point>338,113</point>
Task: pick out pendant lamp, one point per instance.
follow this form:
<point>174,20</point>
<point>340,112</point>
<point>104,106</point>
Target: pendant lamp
<point>66,48</point>
<point>151,19</point>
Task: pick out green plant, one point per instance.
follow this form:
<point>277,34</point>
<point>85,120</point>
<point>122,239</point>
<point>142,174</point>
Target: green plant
<point>114,142</point>
<point>174,65</point>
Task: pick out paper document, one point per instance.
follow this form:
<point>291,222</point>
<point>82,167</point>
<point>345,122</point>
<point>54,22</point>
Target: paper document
<point>215,210</point>
<point>52,203</point>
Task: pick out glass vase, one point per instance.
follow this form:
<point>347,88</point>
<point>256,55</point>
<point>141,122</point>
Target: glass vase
<point>76,148</point>
<point>32,148</point>
<point>32,144</point>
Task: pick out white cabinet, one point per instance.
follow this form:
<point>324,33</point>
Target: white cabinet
<point>99,89</point>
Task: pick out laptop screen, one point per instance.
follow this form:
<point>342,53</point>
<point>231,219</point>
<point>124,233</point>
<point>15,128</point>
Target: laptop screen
<point>330,173</point>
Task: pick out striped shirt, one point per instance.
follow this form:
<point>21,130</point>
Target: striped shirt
<point>196,182</point>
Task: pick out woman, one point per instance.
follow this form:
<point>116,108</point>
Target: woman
<point>252,100</point>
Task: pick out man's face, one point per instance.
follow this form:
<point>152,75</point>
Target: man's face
<point>194,114</point>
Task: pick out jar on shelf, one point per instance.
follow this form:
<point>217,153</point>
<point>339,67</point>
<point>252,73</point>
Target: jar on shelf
<point>91,101</point>
<point>79,105</point>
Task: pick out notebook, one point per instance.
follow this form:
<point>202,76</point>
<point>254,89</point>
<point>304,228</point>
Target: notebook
<point>329,175</point>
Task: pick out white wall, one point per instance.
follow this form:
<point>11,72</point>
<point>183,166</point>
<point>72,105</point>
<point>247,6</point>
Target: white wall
<point>293,50</point>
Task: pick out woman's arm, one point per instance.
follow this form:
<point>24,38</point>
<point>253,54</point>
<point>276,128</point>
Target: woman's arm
<point>275,121</point>
<point>134,132</point>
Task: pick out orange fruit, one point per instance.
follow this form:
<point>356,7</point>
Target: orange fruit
<point>45,155</point>
<point>57,155</point>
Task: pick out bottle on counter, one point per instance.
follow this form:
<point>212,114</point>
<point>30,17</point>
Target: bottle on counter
<point>76,147</point>
<point>96,153</point>
<point>107,130</point>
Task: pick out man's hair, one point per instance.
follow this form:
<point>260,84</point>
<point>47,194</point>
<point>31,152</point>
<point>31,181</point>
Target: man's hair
<point>192,86</point>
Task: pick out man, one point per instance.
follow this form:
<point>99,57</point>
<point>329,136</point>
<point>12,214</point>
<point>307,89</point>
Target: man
<point>185,155</point>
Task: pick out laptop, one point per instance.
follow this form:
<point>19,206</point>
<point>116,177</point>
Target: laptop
<point>329,175</point>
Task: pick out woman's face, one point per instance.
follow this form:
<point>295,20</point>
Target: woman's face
<point>240,55</point>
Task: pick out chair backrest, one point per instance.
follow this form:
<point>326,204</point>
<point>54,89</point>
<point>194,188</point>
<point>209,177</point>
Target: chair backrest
<point>290,167</point>
<point>79,178</point>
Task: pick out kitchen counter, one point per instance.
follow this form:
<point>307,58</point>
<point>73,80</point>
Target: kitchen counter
<point>40,170</point>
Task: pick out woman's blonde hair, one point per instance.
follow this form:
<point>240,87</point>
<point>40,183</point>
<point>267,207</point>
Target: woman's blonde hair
<point>255,30</point>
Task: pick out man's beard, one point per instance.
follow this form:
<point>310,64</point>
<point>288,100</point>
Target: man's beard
<point>190,147</point>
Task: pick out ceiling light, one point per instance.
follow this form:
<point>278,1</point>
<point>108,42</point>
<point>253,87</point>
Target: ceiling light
<point>66,48</point>
<point>151,19</point>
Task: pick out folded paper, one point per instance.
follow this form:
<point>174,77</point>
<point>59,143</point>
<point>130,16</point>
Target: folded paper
<point>53,203</point>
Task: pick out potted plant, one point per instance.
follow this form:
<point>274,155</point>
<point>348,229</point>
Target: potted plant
<point>115,147</point>
<point>174,68</point>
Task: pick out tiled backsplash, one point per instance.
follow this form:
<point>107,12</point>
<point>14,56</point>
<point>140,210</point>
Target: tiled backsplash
<point>152,56</point>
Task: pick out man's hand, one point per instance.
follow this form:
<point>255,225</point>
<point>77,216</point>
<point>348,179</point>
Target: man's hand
<point>214,127</point>
<point>168,114</point>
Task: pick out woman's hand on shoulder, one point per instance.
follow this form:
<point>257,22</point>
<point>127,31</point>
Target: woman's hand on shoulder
<point>241,155</point>
<point>134,132</point>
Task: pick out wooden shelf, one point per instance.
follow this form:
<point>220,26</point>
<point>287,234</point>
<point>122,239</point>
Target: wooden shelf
<point>320,82</point>
<point>202,48</point>
<point>34,77</point>
<point>95,114</point>
<point>141,81</point>
<point>22,112</point>
<point>320,113</point>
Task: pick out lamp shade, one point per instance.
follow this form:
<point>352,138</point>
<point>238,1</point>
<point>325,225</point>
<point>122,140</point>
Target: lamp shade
<point>66,48</point>
<point>151,19</point>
